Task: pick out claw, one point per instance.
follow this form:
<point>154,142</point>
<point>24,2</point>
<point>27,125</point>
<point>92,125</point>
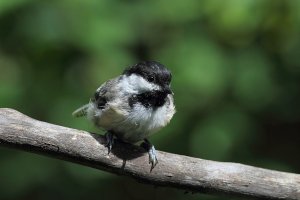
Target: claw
<point>109,141</point>
<point>152,157</point>
<point>152,153</point>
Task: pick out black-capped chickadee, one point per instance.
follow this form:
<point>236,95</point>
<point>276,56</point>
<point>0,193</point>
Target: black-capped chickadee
<point>133,106</point>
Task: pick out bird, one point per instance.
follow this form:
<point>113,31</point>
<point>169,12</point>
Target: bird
<point>133,106</point>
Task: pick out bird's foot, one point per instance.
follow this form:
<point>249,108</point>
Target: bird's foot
<point>152,153</point>
<point>109,141</point>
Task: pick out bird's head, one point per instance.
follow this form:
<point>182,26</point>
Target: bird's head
<point>153,76</point>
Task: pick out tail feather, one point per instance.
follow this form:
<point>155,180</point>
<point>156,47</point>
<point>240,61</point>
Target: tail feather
<point>80,112</point>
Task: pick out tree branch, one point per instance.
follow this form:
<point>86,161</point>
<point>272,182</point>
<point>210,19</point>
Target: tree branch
<point>191,174</point>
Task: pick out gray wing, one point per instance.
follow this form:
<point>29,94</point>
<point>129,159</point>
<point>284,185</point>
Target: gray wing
<point>102,95</point>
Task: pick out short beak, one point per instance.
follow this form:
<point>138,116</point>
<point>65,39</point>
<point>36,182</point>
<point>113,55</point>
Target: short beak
<point>168,90</point>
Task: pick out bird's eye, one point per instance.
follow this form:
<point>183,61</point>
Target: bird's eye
<point>151,78</point>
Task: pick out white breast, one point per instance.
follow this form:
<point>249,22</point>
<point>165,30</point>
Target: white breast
<point>143,122</point>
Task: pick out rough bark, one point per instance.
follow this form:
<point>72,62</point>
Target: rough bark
<point>178,171</point>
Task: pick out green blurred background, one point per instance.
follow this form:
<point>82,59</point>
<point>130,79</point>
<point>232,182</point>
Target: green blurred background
<point>236,78</point>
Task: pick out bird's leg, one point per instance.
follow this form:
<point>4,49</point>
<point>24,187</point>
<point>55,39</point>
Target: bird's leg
<point>151,151</point>
<point>109,140</point>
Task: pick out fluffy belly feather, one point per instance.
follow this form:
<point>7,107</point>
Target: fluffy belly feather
<point>135,125</point>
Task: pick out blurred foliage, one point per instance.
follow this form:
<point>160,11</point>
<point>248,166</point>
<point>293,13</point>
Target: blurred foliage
<point>236,70</point>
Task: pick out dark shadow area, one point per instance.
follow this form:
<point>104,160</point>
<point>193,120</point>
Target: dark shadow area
<point>122,150</point>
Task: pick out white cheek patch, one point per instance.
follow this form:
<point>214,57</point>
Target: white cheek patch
<point>135,84</point>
